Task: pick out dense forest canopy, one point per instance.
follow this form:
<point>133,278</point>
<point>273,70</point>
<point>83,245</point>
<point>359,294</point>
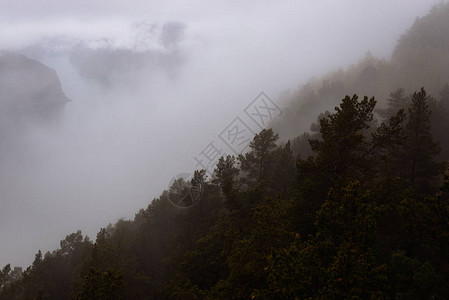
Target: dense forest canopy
<point>355,207</point>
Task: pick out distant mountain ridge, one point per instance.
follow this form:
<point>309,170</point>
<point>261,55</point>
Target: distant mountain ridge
<point>28,90</point>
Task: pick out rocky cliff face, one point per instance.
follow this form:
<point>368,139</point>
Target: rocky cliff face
<point>29,90</point>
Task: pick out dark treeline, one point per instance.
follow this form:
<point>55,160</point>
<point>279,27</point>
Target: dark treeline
<point>366,215</point>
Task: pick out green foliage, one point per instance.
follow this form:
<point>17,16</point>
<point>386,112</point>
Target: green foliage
<point>248,259</point>
<point>226,174</point>
<point>416,161</point>
<point>102,285</point>
<point>341,149</point>
<point>259,161</point>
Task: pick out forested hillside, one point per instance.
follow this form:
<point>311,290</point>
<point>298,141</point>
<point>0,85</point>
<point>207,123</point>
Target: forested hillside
<point>357,207</point>
<point>420,58</point>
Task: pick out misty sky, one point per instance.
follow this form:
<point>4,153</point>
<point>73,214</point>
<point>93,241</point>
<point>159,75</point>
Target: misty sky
<point>131,126</point>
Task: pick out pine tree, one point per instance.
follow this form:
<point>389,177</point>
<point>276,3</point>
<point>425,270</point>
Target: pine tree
<point>342,144</point>
<point>396,101</point>
<point>444,96</point>
<point>226,174</point>
<point>284,170</point>
<point>417,156</point>
<point>258,162</point>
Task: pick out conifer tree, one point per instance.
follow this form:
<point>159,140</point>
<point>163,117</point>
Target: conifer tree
<point>417,156</point>
<point>396,101</point>
<point>258,162</point>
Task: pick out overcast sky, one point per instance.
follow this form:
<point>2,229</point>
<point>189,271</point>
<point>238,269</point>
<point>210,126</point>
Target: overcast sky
<point>119,144</point>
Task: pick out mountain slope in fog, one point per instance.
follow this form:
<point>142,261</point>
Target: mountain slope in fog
<point>421,58</point>
<point>365,216</point>
<point>29,90</point>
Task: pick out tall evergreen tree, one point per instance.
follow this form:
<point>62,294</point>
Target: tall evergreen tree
<point>417,156</point>
<point>340,151</point>
<point>226,173</point>
<point>444,96</point>
<point>396,101</point>
<point>259,161</point>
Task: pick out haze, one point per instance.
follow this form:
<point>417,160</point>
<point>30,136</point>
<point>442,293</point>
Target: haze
<point>150,84</point>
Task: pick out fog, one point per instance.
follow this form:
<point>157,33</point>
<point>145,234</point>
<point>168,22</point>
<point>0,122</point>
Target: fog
<point>150,85</point>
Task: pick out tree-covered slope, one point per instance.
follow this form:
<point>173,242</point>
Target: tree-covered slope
<point>356,208</point>
<point>420,58</point>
